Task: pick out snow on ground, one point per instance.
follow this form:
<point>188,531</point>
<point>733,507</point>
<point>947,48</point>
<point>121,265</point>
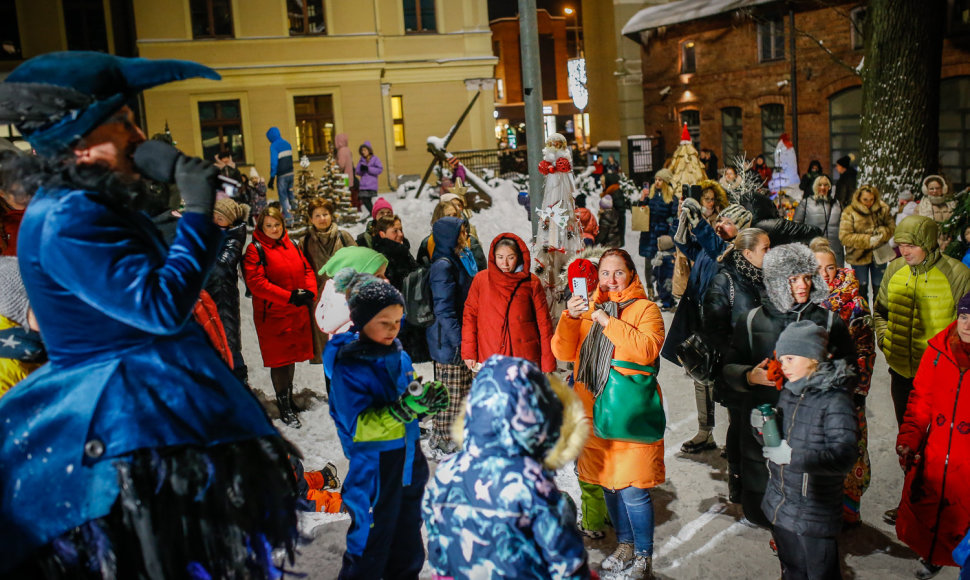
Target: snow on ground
<point>698,533</point>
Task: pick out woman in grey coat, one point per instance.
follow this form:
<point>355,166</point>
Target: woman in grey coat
<point>823,211</point>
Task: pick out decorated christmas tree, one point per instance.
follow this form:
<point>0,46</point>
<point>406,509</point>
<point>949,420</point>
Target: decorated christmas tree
<point>686,164</point>
<point>333,186</point>
<point>559,237</point>
<point>305,189</point>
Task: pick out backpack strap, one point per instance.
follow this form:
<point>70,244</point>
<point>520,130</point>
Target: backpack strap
<point>751,314</point>
<point>261,252</point>
<point>828,325</point>
<point>622,364</point>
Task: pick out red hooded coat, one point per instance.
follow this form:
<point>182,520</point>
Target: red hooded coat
<point>282,328</point>
<point>493,325</point>
<point>935,509</point>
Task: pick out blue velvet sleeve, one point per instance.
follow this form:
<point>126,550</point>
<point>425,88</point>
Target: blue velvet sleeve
<point>138,283</point>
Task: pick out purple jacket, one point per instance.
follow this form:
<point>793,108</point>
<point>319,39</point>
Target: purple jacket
<point>369,169</point>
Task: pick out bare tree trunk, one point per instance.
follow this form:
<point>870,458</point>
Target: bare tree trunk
<point>901,93</point>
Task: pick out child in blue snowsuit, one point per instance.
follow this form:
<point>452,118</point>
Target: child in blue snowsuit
<point>663,271</point>
<point>375,408</point>
<point>493,509</point>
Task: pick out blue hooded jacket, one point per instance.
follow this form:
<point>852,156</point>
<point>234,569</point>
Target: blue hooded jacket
<point>366,377</point>
<point>493,509</point>
<point>450,282</point>
<point>280,154</point>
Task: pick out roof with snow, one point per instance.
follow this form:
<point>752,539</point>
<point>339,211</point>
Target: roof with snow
<point>682,11</point>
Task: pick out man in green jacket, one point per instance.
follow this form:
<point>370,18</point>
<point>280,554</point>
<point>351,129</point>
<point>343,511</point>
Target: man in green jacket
<point>917,299</point>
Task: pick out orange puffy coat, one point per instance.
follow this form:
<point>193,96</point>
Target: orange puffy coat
<point>491,325</point>
<point>637,336</point>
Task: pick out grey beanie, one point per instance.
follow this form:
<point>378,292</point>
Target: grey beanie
<point>737,214</point>
<point>803,338</point>
<point>13,296</point>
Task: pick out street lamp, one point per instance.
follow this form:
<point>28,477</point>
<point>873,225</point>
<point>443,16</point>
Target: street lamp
<point>569,12</point>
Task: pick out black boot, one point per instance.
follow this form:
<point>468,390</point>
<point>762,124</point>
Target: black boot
<point>285,404</point>
<point>734,483</point>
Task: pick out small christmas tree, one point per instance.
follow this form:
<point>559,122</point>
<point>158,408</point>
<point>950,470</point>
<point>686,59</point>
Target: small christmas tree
<point>686,164</point>
<point>333,186</point>
<point>560,236</point>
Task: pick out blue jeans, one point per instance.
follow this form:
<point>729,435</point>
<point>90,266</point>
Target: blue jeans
<point>284,186</point>
<point>866,272</point>
<point>631,511</point>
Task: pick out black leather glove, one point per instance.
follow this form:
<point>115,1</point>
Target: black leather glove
<point>197,180</point>
<point>362,168</point>
<point>271,183</point>
<point>301,297</point>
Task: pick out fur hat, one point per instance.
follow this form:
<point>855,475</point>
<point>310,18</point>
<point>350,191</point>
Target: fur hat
<point>13,296</point>
<point>366,295</point>
<point>782,262</point>
<point>737,214</point>
<point>803,338</point>
<point>665,243</point>
<point>379,204</point>
<point>606,202</point>
<point>231,210</point>
<point>664,174</point>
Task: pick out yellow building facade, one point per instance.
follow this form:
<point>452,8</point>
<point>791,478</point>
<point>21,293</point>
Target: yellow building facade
<point>392,72</point>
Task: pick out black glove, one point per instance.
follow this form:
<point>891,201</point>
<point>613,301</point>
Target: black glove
<point>362,168</point>
<point>197,180</point>
<point>301,297</point>
<point>271,182</point>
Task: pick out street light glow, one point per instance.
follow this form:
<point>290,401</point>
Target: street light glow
<point>568,11</point>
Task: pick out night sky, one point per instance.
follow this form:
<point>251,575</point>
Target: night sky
<point>503,8</point>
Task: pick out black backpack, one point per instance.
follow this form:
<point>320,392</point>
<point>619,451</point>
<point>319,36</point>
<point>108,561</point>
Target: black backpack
<point>418,303</point>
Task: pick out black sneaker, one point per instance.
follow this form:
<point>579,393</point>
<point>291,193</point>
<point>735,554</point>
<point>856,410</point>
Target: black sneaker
<point>927,570</point>
<point>890,516</point>
<point>330,479</point>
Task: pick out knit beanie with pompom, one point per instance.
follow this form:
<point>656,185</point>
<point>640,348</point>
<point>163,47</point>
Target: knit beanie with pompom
<point>366,295</point>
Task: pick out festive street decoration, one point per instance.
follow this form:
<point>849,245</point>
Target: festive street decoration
<point>686,164</point>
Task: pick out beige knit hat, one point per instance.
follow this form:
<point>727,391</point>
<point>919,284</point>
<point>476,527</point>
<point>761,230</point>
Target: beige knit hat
<point>231,210</point>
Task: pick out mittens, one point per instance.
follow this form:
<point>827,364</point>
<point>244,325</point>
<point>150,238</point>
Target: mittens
<point>780,455</point>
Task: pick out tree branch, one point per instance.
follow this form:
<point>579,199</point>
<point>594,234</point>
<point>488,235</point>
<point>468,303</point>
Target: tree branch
<point>827,50</point>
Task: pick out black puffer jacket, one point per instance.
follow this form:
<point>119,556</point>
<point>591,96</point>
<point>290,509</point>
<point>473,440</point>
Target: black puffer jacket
<point>767,323</point>
<point>729,298</point>
<point>222,286</point>
<point>400,263</point>
<point>817,418</point>
<point>780,231</point>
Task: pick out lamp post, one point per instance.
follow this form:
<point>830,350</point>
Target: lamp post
<point>570,12</point>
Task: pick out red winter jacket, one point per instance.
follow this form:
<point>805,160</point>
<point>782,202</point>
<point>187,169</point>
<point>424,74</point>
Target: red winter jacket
<point>282,328</point>
<point>525,332</point>
<point>937,489</point>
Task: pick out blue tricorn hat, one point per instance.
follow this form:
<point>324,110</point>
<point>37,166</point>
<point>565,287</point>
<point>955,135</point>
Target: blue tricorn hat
<point>57,98</point>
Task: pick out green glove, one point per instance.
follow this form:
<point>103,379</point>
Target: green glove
<point>432,398</point>
<point>401,412</point>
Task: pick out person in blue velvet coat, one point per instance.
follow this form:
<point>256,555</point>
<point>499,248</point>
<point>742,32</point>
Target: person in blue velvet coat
<point>135,452</point>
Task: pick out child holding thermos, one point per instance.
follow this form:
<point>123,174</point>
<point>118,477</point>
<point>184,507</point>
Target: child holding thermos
<point>817,447</point>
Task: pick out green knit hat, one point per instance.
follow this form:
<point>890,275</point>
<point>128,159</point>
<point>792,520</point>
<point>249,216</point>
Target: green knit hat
<point>363,260</point>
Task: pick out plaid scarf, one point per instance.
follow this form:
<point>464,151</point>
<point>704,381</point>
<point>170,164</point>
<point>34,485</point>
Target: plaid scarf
<point>597,351</point>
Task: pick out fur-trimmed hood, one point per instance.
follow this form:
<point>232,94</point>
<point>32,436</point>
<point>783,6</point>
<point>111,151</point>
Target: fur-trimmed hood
<point>513,409</point>
<point>788,260</point>
<point>720,195</point>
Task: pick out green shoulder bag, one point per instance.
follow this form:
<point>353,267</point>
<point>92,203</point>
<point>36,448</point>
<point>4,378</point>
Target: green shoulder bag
<point>630,408</point>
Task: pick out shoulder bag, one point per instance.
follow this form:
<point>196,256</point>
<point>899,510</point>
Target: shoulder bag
<point>630,407</point>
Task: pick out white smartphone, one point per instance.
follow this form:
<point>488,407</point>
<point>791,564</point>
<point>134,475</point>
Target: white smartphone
<point>579,289</point>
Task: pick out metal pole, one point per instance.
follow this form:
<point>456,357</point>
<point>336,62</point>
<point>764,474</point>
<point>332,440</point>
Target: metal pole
<point>532,95</point>
<point>794,81</point>
<point>579,50</point>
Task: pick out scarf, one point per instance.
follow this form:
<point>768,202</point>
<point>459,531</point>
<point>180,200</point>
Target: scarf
<point>321,245</point>
<point>752,273</point>
<point>597,351</point>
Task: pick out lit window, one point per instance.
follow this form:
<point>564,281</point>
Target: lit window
<point>771,40</point>
<point>688,63</point>
<point>315,124</point>
<point>419,16</point>
<point>397,116</point>
<point>221,125</point>
<point>211,18</point>
<point>306,17</point>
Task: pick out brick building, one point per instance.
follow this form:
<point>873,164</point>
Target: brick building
<point>724,67</point>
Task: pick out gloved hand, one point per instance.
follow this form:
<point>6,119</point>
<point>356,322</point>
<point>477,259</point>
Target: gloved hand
<point>271,182</point>
<point>874,240</point>
<point>197,180</point>
<point>362,169</point>
<point>432,399</point>
<point>692,210</point>
<point>301,297</point>
<point>780,455</point>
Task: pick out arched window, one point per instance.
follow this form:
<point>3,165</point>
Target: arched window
<point>731,142</point>
<point>955,130</point>
<point>845,110</point>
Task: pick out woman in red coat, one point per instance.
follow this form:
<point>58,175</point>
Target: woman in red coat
<point>933,446</point>
<point>506,311</point>
<point>283,287</point>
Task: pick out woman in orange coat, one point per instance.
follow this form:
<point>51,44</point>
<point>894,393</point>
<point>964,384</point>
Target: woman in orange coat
<point>626,326</point>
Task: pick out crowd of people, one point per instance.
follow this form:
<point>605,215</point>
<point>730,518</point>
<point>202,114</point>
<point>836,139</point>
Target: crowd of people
<point>163,463</point>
